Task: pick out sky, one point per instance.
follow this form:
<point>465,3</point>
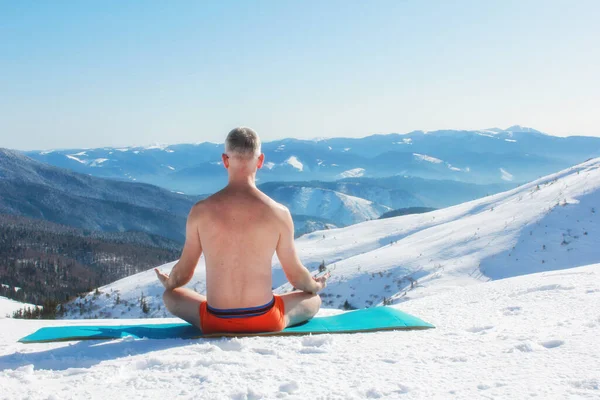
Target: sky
<point>113,73</point>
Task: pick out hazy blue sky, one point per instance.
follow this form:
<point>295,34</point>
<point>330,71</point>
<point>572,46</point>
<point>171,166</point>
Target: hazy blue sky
<point>115,73</point>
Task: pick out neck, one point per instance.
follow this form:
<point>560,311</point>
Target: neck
<point>242,181</point>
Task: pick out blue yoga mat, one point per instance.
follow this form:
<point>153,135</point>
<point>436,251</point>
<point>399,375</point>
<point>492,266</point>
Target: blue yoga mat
<point>365,320</point>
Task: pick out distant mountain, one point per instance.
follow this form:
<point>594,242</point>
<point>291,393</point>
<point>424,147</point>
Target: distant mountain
<point>33,189</point>
<point>515,154</point>
<point>317,202</point>
<point>384,194</point>
<point>304,224</point>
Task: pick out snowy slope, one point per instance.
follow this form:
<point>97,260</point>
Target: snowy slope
<point>9,306</point>
<point>552,223</point>
<point>549,224</point>
<point>340,208</point>
<point>533,336</point>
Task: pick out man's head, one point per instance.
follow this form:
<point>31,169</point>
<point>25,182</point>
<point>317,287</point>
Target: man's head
<point>243,148</point>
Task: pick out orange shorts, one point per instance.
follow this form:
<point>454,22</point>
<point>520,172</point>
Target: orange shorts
<point>265,318</point>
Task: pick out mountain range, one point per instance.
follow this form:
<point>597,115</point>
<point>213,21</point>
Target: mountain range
<point>515,154</point>
<point>33,189</point>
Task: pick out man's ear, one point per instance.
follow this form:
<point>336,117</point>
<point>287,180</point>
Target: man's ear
<point>225,159</point>
<point>261,161</point>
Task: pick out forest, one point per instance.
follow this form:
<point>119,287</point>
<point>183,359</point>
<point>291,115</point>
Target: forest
<point>46,263</point>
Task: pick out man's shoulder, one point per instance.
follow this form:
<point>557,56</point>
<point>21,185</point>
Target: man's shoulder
<point>201,206</point>
<point>277,207</point>
<point>281,211</point>
<point>207,201</point>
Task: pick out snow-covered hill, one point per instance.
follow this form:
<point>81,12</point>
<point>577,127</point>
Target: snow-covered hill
<point>338,207</point>
<point>9,306</point>
<point>533,336</point>
<point>550,224</point>
<point>394,191</point>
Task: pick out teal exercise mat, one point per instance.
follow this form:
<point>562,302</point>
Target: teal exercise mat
<point>365,320</point>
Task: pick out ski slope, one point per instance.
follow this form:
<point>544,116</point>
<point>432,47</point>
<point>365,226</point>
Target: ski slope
<point>532,336</point>
<point>550,224</point>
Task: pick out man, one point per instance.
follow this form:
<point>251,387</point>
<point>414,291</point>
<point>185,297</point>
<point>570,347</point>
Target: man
<point>239,229</point>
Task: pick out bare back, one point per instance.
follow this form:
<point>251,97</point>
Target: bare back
<point>239,230</point>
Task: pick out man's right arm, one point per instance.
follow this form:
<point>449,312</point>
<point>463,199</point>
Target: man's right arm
<point>295,272</point>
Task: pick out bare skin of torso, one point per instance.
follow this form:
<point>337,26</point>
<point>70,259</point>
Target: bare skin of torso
<point>239,229</point>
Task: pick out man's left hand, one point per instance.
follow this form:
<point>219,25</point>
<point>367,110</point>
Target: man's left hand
<point>163,278</point>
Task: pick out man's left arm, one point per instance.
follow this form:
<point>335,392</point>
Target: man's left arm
<point>183,271</point>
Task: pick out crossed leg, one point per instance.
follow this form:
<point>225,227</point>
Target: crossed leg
<point>300,307</point>
<point>185,304</point>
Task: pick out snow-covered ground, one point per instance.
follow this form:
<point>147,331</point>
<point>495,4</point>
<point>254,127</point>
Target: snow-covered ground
<point>533,336</point>
<point>9,306</point>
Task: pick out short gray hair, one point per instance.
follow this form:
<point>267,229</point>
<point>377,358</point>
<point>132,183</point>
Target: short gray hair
<point>243,141</point>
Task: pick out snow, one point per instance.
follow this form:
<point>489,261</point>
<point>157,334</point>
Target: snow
<point>8,306</point>
<point>98,161</point>
<point>43,153</point>
<point>531,336</point>
<point>487,134</point>
<point>423,157</point>
<point>81,153</point>
<point>511,281</point>
<point>158,146</point>
<point>332,205</point>
<point>294,162</point>
<point>124,149</point>
<point>76,159</point>
<point>404,141</point>
<point>519,128</point>
<point>506,176</point>
<point>352,173</point>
